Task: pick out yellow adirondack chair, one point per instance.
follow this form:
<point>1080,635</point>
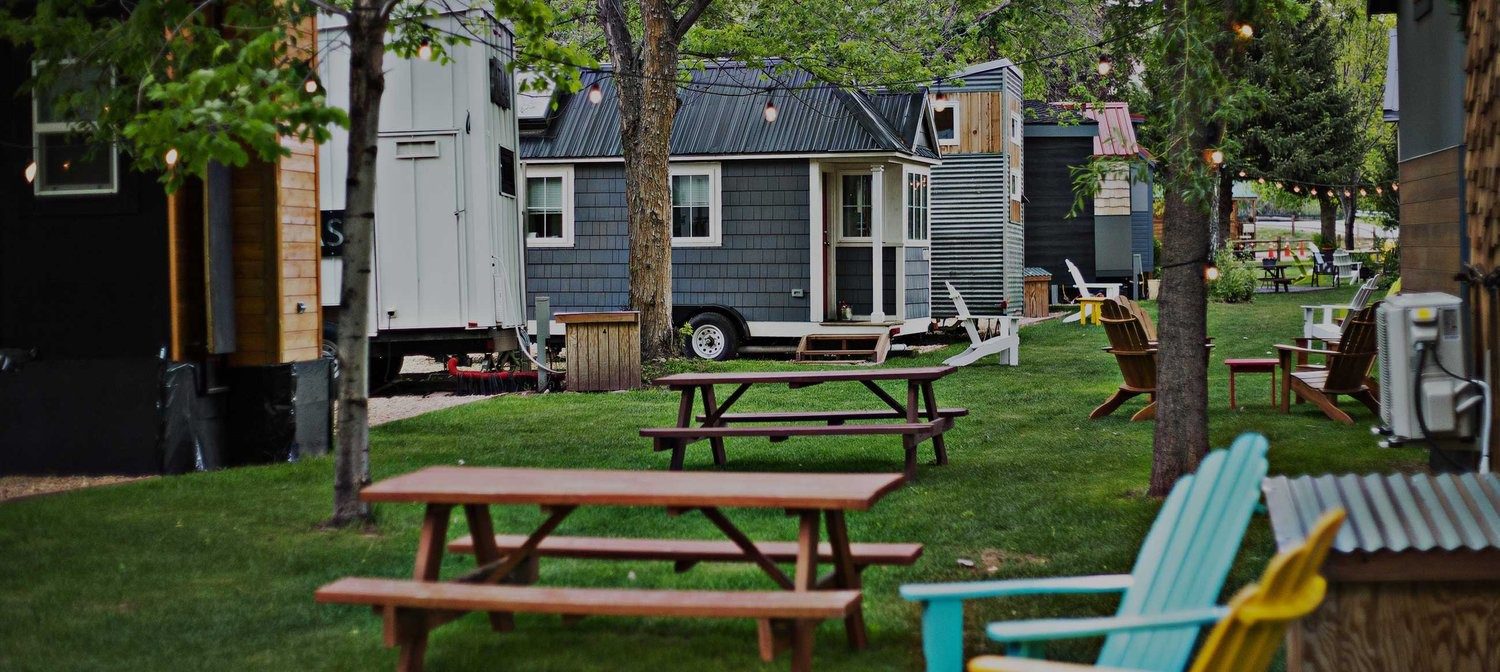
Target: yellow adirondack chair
<point>1249,629</point>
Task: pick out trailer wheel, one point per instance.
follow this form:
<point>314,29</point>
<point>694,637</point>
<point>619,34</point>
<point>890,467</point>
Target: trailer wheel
<point>714,337</point>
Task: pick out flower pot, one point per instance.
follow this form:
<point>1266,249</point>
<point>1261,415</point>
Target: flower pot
<point>1153,288</point>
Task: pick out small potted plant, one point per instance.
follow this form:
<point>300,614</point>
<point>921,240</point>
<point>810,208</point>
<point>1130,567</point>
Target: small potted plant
<point>845,312</point>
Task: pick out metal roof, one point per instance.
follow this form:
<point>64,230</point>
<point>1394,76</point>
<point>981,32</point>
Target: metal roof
<point>1116,129</point>
<point>1036,272</point>
<point>1395,512</point>
<point>721,112</point>
<point>1042,112</point>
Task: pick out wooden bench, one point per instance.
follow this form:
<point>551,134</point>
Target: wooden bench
<point>677,439</point>
<point>688,552</point>
<point>831,417</point>
<point>417,603</point>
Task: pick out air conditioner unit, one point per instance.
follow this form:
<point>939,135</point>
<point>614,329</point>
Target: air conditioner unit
<point>1433,321</point>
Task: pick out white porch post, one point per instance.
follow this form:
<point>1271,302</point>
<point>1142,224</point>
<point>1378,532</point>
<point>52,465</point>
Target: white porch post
<point>877,243</point>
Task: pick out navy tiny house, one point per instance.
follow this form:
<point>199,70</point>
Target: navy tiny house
<point>795,204</point>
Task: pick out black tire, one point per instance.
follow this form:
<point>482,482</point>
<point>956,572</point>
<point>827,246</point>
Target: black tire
<point>714,337</point>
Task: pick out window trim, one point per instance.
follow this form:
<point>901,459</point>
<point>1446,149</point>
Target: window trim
<point>906,176</point>
<point>714,172</point>
<point>1017,185</point>
<point>947,103</point>
<point>839,208</point>
<point>39,129</point>
<point>566,173</point>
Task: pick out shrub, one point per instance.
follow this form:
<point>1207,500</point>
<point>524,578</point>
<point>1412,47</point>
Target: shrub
<point>1236,281</point>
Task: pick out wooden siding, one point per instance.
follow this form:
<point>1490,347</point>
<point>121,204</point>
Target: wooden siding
<point>1430,238</point>
<point>980,129</point>
<point>1482,173</point>
<point>1412,626</point>
<point>297,218</point>
<point>1114,194</point>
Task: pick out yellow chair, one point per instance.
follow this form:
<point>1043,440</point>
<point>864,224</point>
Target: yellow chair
<point>1249,629</point>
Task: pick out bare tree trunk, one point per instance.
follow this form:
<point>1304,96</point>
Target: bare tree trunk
<point>1327,216</point>
<point>1182,368</point>
<point>1349,216</point>
<point>351,463</point>
<point>1225,209</point>
<point>646,79</point>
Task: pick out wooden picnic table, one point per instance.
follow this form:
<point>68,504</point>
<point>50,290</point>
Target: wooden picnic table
<point>1275,276</point>
<point>787,615</point>
<point>919,423</point>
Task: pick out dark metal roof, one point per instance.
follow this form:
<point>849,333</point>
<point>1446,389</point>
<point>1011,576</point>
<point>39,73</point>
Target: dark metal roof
<point>1042,112</point>
<point>1397,512</point>
<point>721,112</point>
<point>1035,272</point>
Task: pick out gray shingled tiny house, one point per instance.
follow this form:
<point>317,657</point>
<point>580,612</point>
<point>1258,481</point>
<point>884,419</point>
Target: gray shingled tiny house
<point>775,223</point>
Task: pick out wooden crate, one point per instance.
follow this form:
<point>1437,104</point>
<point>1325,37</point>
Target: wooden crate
<point>604,350</point>
<point>1035,295</point>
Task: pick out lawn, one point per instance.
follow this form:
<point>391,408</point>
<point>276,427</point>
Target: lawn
<point>216,570</point>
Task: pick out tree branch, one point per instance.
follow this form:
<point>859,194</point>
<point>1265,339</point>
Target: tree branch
<point>617,33</point>
<point>329,8</point>
<point>689,18</point>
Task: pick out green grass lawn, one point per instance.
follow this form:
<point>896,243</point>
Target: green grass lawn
<point>217,570</point>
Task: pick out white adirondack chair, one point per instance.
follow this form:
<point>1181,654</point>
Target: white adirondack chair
<point>1110,290</point>
<point>1322,321</point>
<point>1346,269</point>
<point>1006,344</point>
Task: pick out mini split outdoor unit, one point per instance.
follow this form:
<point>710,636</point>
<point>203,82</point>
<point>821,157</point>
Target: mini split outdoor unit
<point>1423,379</point>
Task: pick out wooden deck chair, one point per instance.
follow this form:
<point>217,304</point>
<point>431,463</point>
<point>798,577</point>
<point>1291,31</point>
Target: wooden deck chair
<point>1346,370</point>
<point>1247,632</point>
<point>1181,566</point>
<point>1006,344</point>
<point>1324,322</point>
<point>1105,289</point>
<point>1132,340</point>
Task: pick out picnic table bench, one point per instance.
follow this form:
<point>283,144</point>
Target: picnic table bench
<point>917,423</point>
<point>507,563</point>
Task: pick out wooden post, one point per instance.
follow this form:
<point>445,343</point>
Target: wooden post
<point>877,244</point>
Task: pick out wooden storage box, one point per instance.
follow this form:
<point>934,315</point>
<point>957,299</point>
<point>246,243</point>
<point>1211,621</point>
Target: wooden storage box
<point>1035,293</point>
<point>604,350</point>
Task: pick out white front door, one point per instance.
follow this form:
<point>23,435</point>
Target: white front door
<point>419,241</point>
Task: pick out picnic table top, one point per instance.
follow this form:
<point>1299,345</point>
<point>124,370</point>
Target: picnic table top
<point>732,377</point>
<point>562,487</point>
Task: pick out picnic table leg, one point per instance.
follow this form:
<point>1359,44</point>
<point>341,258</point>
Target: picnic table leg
<point>938,445</point>
<point>908,442</point>
<point>711,409</point>
<point>805,578</point>
<point>684,419</point>
<point>482,531</point>
<point>846,576</point>
<point>407,628</point>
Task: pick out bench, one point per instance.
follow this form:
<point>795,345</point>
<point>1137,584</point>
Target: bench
<point>831,417</point>
<point>416,604</point>
<point>688,552</point>
<point>676,439</point>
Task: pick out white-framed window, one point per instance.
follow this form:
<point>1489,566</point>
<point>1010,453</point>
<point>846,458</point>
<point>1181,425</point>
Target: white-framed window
<point>856,210</point>
<point>696,220</point>
<point>918,191</point>
<point>548,206</point>
<point>1015,127</point>
<point>68,164</point>
<point>945,121</point>
<point>1015,185</point>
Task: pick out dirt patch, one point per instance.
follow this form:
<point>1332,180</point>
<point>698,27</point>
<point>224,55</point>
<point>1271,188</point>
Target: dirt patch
<point>17,487</point>
<point>997,558</point>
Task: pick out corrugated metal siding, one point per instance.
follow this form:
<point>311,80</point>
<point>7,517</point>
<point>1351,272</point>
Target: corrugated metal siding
<point>762,259</point>
<point>852,273</point>
<point>970,211</point>
<point>918,297</point>
<point>1394,512</point>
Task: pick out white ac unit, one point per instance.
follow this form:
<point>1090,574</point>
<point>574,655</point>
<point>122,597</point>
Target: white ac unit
<point>1434,321</point>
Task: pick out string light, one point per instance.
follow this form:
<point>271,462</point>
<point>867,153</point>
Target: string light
<point>770,113</point>
<point>1242,174</point>
<point>1378,190</point>
<point>1296,189</point>
<point>424,50</point>
<point>1215,156</point>
<point>1262,180</point>
<point>1211,271</point>
<point>311,85</point>
<point>1362,192</point>
<point>1395,186</point>
<point>171,157</point>
<point>1280,185</point>
<point>1347,193</point>
<point>1106,65</point>
<point>596,93</point>
<point>1244,30</point>
<point>31,172</point>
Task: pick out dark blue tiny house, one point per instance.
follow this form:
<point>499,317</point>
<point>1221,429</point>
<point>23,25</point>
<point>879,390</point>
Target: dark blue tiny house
<point>776,224</point>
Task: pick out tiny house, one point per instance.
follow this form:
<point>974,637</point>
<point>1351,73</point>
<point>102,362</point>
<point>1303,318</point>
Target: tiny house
<point>448,254</point>
<point>978,229</point>
<point>797,207</point>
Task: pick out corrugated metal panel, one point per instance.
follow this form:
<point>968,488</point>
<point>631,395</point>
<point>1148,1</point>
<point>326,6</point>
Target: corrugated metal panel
<point>1116,132</point>
<point>718,115</point>
<point>970,211</point>
<point>1395,512</point>
<point>990,76</point>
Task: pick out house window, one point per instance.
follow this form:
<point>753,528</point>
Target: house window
<point>507,172</point>
<point>1015,185</point>
<point>67,162</point>
<point>1015,128</point>
<point>695,205</point>
<point>945,121</point>
<point>856,210</point>
<point>916,206</point>
<point>549,206</point>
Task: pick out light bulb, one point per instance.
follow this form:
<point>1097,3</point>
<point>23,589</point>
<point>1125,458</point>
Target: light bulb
<point>1378,190</point>
<point>1261,180</point>
<point>31,172</point>
<point>1245,31</point>
<point>1395,186</point>
<point>1216,157</point>
<point>1313,191</point>
<point>1105,66</point>
<point>1296,189</point>
<point>424,50</point>
<point>1242,174</point>
<point>1362,192</point>
<point>310,86</point>
<point>770,113</point>
<point>1280,185</point>
<point>1211,272</point>
<point>171,157</point>
<point>1347,193</point>
<point>596,93</point>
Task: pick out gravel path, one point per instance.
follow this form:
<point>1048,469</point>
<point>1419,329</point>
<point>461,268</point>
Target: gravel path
<point>389,409</point>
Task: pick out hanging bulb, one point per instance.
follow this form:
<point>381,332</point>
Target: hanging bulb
<point>171,157</point>
<point>1312,190</point>
<point>311,85</point>
<point>424,50</point>
<point>1260,180</point>
<point>1378,190</point>
<point>1280,185</point>
<point>1362,192</point>
<point>31,172</point>
<point>770,113</point>
<point>1106,65</point>
<point>1211,271</point>
<point>1296,189</point>
<point>596,93</point>
<point>1215,157</point>
<point>1347,193</point>
<point>1395,186</point>
<point>1245,31</point>
<point>1242,174</point>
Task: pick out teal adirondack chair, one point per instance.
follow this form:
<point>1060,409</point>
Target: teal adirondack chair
<point>1181,567</point>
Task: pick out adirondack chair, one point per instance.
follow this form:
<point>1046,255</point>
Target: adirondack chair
<point>1345,266</point>
<point>1248,631</point>
<point>1006,345</point>
<point>1324,322</point>
<point>1346,370</point>
<point>1132,340</point>
<point>1181,566</point>
<point>1106,289</point>
<point>1321,266</point>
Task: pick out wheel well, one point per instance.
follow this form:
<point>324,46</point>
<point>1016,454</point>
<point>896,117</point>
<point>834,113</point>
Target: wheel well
<point>681,314</point>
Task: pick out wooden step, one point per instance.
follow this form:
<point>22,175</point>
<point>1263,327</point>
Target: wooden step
<point>818,604</point>
<point>691,550</point>
<point>877,345</point>
<point>918,428</point>
<point>828,416</point>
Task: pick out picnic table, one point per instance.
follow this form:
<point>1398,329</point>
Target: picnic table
<point>787,615</point>
<point>917,424</point>
<point>1275,276</point>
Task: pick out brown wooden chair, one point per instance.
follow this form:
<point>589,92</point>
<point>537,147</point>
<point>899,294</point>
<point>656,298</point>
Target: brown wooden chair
<point>1346,370</point>
<point>1132,340</point>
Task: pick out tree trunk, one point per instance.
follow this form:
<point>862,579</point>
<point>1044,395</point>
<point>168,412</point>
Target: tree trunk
<point>1225,209</point>
<point>1182,362</point>
<point>1327,214</point>
<point>1350,213</point>
<point>646,82</point>
<point>351,463</point>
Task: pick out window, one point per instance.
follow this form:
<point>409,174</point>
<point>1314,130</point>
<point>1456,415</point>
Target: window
<point>916,206</point>
<point>549,206</point>
<point>856,210</point>
<point>507,172</point>
<point>695,205</point>
<point>1015,128</point>
<point>945,120</point>
<point>67,163</point>
<point>1015,185</point>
